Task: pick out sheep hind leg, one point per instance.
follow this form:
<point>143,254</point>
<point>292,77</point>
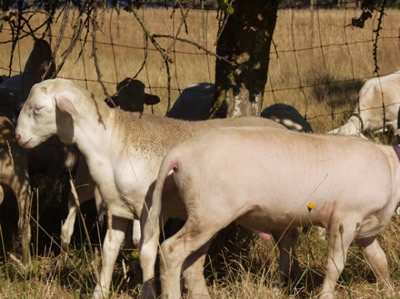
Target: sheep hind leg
<point>193,273</point>
<point>377,260</point>
<point>341,234</point>
<point>174,251</point>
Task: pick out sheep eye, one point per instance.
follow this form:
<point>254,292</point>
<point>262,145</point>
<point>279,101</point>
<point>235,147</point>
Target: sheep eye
<point>36,110</point>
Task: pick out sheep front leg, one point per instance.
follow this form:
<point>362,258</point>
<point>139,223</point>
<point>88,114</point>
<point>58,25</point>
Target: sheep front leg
<point>68,226</point>
<point>136,233</point>
<point>111,246</point>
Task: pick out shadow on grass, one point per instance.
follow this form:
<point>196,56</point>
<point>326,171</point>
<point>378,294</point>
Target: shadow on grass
<point>334,93</point>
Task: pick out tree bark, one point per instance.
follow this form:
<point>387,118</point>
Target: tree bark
<point>239,88</point>
<point>245,40</point>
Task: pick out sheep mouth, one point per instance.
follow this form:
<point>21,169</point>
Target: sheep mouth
<point>25,144</point>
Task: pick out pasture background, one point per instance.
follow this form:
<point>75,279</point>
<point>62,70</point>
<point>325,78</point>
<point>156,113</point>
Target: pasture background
<point>318,64</point>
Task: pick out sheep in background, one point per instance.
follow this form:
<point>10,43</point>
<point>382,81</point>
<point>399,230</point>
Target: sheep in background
<point>8,103</point>
<point>3,78</point>
<point>287,116</point>
<point>130,96</point>
<point>14,170</point>
<point>51,158</point>
<point>267,179</point>
<point>378,104</point>
<point>39,66</point>
<point>14,90</point>
<point>14,176</point>
<point>15,162</point>
<point>195,103</point>
<point>123,152</point>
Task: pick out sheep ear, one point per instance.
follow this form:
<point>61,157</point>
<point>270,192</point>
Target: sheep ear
<point>150,99</point>
<point>66,105</point>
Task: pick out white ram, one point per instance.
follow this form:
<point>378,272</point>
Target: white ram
<point>276,180</point>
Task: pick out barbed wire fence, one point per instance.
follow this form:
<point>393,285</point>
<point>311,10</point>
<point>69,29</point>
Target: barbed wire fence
<point>305,70</point>
<point>88,34</point>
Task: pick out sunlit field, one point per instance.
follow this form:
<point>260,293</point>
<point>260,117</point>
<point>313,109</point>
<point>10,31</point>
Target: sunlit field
<point>317,64</point>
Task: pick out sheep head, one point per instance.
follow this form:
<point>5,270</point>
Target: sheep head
<point>48,111</point>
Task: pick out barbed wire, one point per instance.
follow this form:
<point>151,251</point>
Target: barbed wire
<point>86,26</point>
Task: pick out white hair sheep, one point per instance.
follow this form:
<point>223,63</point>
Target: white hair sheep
<point>123,151</point>
<point>130,96</point>
<point>50,158</point>
<point>276,180</point>
<point>378,104</point>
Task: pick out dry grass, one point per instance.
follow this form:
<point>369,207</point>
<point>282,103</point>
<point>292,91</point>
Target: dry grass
<point>317,68</point>
<point>318,65</point>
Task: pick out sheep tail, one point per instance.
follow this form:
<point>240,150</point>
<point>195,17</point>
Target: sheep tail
<point>156,206</point>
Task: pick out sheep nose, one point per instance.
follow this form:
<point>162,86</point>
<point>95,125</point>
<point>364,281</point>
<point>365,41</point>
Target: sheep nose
<point>17,136</point>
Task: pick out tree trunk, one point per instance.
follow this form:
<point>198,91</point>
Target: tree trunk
<point>245,40</point>
<point>239,88</point>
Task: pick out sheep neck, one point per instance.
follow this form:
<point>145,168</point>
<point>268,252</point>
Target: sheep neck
<point>92,129</point>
